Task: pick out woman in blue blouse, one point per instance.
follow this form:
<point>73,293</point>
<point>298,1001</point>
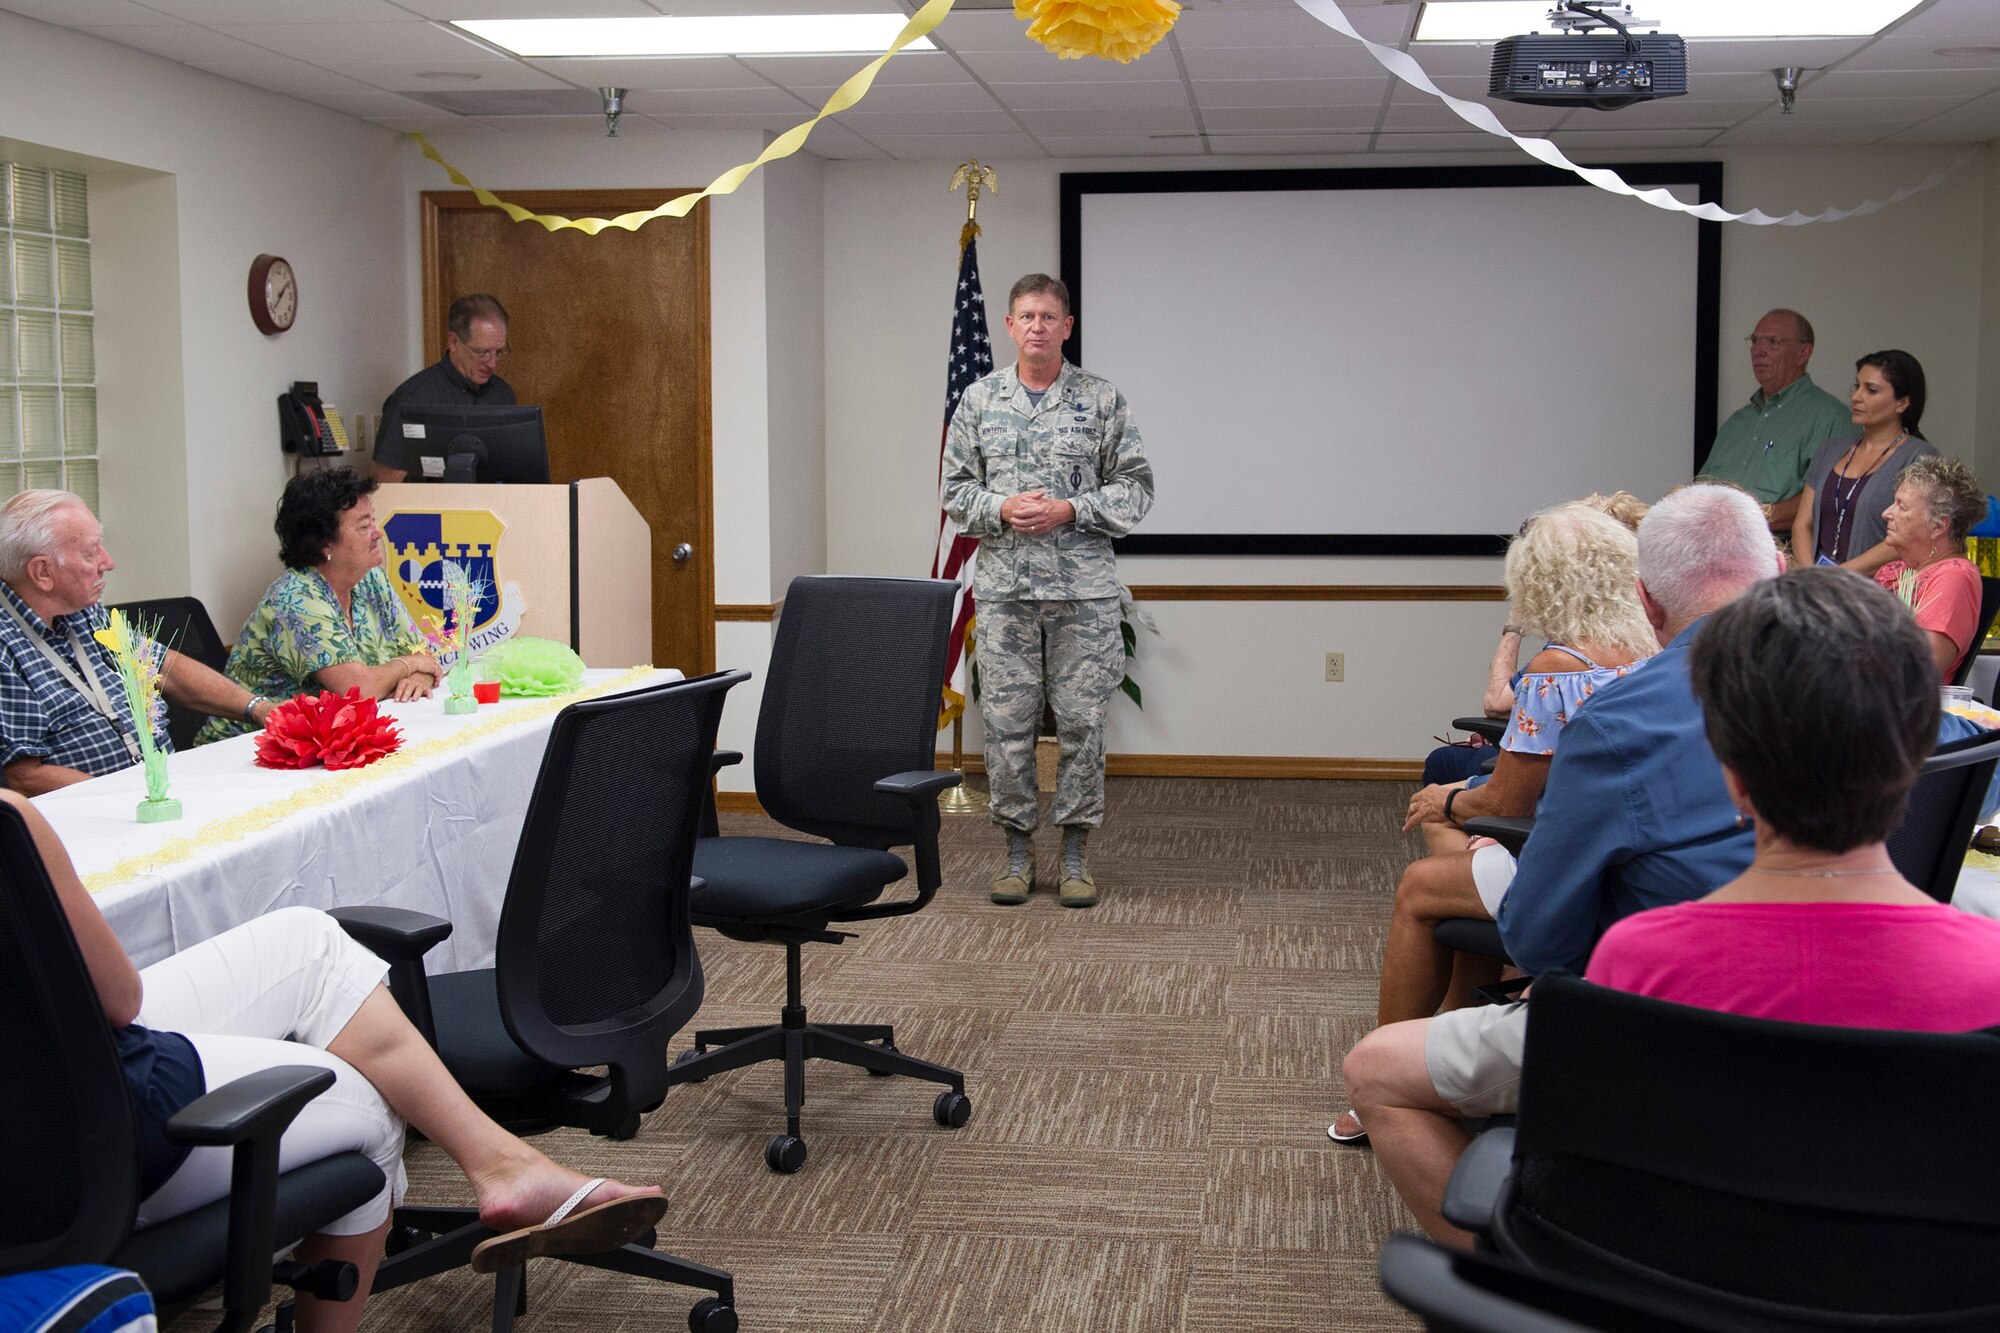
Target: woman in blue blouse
<point>331,620</point>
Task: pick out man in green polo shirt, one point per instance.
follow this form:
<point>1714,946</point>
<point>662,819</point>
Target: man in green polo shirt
<point>1767,444</point>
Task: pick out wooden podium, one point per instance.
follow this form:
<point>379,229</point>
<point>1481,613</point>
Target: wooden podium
<point>573,563</point>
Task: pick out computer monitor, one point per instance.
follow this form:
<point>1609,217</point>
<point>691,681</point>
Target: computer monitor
<point>476,442</point>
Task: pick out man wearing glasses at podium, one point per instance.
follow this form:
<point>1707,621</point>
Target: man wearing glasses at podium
<point>475,341</point>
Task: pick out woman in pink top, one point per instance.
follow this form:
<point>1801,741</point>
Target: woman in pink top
<point>1936,504</point>
<point>1820,695</point>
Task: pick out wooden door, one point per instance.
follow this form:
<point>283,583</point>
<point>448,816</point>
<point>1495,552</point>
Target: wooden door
<point>609,334</point>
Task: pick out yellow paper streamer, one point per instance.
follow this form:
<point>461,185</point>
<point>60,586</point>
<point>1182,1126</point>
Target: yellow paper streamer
<point>846,95</point>
<point>337,787</point>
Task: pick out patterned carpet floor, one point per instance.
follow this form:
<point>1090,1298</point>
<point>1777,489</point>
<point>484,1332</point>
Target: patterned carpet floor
<point>1151,1082</point>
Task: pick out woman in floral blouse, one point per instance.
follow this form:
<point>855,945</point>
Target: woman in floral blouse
<point>331,620</point>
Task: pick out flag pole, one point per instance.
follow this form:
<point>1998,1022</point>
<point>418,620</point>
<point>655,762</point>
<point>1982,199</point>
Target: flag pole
<point>963,800</point>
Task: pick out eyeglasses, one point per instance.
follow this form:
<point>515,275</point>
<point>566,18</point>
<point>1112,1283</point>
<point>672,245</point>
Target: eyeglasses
<point>485,353</point>
<point>1756,340</point>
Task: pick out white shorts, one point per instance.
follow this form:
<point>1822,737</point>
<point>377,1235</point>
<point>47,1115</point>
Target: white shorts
<point>274,991</point>
<point>1492,872</point>
<point>1474,1057</point>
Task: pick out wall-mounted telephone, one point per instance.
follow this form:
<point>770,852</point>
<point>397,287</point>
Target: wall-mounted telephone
<point>307,426</point>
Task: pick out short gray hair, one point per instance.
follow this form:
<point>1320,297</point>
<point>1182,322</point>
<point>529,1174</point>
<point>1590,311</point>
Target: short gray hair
<point>27,529</point>
<point>1702,547</point>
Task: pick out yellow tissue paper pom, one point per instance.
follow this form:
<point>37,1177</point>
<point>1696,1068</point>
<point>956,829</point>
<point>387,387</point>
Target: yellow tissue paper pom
<point>1120,30</point>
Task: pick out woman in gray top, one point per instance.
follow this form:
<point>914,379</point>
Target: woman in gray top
<point>1853,477</point>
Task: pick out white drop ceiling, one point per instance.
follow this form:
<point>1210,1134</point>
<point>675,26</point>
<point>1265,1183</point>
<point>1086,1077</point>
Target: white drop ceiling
<point>1235,77</point>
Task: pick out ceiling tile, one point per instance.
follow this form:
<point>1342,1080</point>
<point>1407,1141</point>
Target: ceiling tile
<point>912,97</point>
<point>1120,145</point>
<point>1594,142</point>
<point>629,127</point>
<point>1292,26</point>
<point>875,124</point>
<point>1037,66</point>
<point>1443,143</point>
<point>1670,113</point>
<point>1281,62</point>
<point>282,11</point>
<point>1153,121</point>
<point>527,9</point>
<point>1761,57</point>
<point>1159,93</point>
<point>1232,145</point>
<point>494,76</point>
<point>665,72</point>
<point>983,30</point>
<point>760,122</point>
<point>435,122</point>
<point>1295,119</point>
<point>369,104</point>
<point>282,76</point>
<point>410,40</point>
<point>1896,52</point>
<point>720,101</point>
<point>179,41</point>
<point>1848,82</point>
<point>957,147</point>
<point>1291,92</point>
<point>832,71</point>
<point>1975,121</point>
<point>1790,130</point>
<point>78,13</point>
<point>1953,23</point>
<point>1893,111</point>
<point>1454,58</point>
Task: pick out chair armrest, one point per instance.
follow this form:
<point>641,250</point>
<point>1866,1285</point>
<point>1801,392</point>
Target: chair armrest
<point>1473,1192</point>
<point>917,786</point>
<point>400,938</point>
<point>249,1115</point>
<point>1507,830</point>
<point>393,934</point>
<point>260,1103</point>
<point>722,759</point>
<point>1491,728</point>
<point>709,826</point>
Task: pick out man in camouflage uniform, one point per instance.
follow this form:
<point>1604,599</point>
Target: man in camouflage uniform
<point>1044,466</point>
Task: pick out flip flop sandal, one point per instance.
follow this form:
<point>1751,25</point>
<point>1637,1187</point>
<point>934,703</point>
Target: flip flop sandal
<point>567,1231</point>
<point>1360,1135</point>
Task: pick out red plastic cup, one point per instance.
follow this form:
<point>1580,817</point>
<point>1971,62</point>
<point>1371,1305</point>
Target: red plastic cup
<point>486,691</point>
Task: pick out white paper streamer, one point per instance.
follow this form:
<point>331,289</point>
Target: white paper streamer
<point>1479,116</point>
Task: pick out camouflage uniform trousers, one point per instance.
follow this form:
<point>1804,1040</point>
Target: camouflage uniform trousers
<point>1072,653</point>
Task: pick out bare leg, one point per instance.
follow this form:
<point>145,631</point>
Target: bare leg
<point>1470,971</point>
<point>517,1186</point>
<point>1416,1135</point>
<point>1443,839</point>
<point>1416,969</point>
<point>364,1252</point>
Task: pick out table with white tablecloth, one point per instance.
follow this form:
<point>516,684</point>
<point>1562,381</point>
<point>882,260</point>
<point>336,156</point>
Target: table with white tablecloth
<point>433,829</point>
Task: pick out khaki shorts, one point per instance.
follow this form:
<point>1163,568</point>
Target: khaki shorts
<point>1474,1057</point>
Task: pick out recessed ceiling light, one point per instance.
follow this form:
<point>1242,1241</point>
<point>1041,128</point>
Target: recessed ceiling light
<point>753,34</point>
<point>1986,52</point>
<point>448,75</point>
<point>1490,20</point>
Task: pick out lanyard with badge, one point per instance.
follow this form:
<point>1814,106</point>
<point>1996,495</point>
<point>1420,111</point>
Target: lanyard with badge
<point>87,683</point>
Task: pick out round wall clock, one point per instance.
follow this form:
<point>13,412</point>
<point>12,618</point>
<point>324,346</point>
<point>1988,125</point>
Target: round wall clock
<point>274,294</point>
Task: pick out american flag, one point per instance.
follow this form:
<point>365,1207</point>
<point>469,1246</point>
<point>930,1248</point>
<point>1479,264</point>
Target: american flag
<point>971,357</point>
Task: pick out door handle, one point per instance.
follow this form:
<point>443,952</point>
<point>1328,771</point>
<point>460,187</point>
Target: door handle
<point>682,553</point>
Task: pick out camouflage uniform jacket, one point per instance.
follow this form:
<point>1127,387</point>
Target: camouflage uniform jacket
<point>1080,445</point>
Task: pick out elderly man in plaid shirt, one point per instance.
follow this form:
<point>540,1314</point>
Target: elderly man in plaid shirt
<point>63,713</point>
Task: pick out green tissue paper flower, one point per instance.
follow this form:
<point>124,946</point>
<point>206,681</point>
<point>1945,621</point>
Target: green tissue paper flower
<point>535,668</point>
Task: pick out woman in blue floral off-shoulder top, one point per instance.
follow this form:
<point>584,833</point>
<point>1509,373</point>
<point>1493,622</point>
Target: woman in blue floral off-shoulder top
<point>331,620</point>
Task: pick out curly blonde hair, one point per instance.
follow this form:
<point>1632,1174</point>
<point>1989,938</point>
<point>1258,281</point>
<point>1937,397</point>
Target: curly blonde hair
<point>1572,578</point>
<point>1624,506</point>
<point>1949,492</point>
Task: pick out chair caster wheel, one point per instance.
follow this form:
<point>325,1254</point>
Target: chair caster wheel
<point>692,1053</point>
<point>785,1153</point>
<point>883,1073</point>
<point>710,1315</point>
<point>952,1109</point>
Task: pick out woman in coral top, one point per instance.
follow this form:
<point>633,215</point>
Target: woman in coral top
<point>1936,504</point>
<point>1822,754</point>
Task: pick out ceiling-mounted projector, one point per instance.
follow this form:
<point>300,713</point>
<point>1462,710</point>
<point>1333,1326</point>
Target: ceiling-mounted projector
<point>1580,66</point>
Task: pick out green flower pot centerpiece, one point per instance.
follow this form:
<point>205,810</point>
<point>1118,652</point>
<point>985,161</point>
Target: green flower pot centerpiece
<point>139,656</point>
<point>462,594</point>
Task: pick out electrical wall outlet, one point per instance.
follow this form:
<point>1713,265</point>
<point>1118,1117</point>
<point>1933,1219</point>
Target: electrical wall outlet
<point>1336,666</point>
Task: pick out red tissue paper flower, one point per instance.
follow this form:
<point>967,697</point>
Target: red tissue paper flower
<point>338,730</point>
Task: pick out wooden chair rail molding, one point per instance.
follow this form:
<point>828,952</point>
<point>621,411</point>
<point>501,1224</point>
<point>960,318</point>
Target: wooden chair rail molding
<point>750,612</point>
<point>1318,592</point>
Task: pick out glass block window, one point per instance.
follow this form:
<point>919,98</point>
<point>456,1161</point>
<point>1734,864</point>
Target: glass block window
<point>48,347</point>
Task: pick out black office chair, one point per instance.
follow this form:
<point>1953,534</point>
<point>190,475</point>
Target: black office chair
<point>69,1168</point>
<point>595,965</point>
<point>1720,1169</point>
<point>185,627</point>
<point>1456,1292</point>
<point>1989,607</point>
<point>846,749</point>
<point>1928,847</point>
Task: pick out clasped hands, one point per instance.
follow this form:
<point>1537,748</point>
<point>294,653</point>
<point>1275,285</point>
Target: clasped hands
<point>1034,513</point>
<point>421,678</point>
<point>1427,806</point>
